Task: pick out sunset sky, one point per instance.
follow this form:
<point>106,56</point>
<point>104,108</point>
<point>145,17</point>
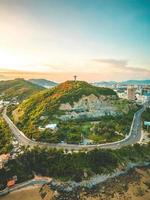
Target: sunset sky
<point>55,39</point>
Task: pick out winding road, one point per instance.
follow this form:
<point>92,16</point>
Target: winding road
<point>133,137</point>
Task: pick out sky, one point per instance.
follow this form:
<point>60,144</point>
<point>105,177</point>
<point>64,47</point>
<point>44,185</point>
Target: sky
<point>98,40</point>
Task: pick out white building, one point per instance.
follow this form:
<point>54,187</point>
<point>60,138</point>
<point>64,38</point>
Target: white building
<point>51,126</point>
<point>122,95</point>
<point>48,126</point>
<point>143,98</point>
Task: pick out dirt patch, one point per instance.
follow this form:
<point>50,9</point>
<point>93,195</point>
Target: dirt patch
<point>29,193</point>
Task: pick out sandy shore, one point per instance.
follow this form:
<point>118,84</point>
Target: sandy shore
<point>27,193</point>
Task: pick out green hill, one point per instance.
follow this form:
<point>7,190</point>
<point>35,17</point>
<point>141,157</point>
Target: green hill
<point>48,101</point>
<point>19,88</point>
<point>43,82</point>
<point>44,108</point>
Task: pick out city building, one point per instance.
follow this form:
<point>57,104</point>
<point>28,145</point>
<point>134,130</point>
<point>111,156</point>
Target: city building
<point>131,93</point>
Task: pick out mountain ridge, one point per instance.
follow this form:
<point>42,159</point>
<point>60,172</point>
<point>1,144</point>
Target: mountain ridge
<point>43,82</point>
<point>19,88</point>
<point>127,82</point>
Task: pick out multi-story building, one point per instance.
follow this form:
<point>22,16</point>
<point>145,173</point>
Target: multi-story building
<point>131,93</point>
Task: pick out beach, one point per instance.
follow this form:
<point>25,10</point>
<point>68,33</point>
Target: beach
<point>27,193</point>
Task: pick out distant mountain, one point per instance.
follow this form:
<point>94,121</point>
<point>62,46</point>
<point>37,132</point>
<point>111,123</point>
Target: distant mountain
<point>128,82</point>
<point>104,83</point>
<point>43,82</point>
<point>19,88</point>
<point>136,82</point>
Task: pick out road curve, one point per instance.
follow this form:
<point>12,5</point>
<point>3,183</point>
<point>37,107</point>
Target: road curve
<point>133,137</point>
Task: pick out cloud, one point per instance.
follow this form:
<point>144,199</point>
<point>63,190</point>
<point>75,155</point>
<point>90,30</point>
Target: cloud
<point>122,67</point>
<point>89,70</point>
<point>109,61</point>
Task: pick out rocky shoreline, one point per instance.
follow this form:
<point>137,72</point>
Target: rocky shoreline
<point>133,184</point>
<point>112,188</point>
<point>94,180</point>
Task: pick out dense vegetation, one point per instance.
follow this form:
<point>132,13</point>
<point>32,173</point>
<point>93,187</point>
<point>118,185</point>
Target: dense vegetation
<point>46,103</point>
<point>100,130</point>
<point>105,129</point>
<point>146,117</point>
<point>5,137</point>
<point>72,166</point>
<point>112,128</point>
<point>19,88</point>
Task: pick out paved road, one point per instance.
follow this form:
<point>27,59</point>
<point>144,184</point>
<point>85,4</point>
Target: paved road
<point>133,137</point>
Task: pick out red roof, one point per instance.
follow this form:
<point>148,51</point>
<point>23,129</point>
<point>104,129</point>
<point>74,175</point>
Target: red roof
<point>10,183</point>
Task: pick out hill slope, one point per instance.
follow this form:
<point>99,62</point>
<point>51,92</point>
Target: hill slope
<point>19,88</point>
<point>43,82</point>
<point>72,100</point>
<point>47,102</point>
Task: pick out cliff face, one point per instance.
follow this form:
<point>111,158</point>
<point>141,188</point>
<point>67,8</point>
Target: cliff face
<point>88,106</point>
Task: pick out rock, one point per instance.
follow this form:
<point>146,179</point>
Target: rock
<point>88,106</point>
<point>47,194</point>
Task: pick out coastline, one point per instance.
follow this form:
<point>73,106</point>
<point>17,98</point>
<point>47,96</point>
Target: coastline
<point>71,185</point>
<point>133,184</point>
<point>26,193</point>
<point>94,180</point>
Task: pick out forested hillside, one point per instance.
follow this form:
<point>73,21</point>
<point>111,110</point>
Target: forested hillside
<point>5,137</point>
<point>44,107</point>
<point>19,88</point>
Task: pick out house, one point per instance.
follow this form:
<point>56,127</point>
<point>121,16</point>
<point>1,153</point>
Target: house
<point>10,183</point>
<point>87,141</point>
<point>48,126</point>
<point>51,126</point>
